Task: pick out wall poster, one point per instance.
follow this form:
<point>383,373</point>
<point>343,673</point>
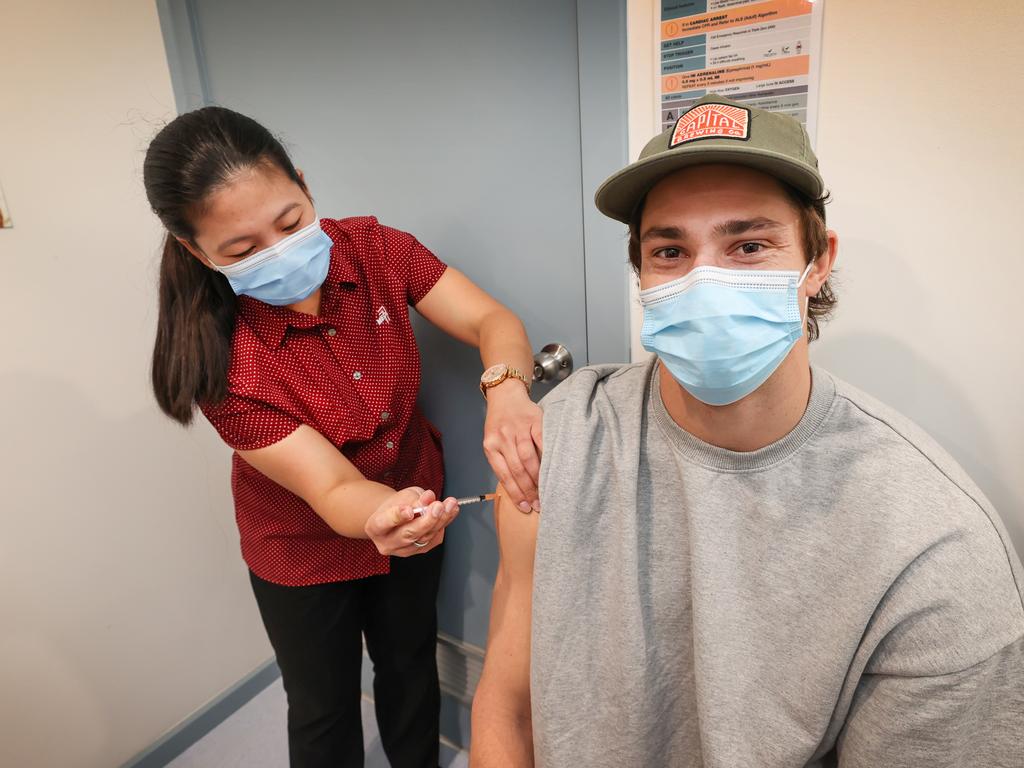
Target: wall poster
<point>765,53</point>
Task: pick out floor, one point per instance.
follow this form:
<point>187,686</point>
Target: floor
<point>254,737</point>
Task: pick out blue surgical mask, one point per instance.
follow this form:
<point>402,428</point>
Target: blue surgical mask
<point>285,273</point>
<point>722,332</point>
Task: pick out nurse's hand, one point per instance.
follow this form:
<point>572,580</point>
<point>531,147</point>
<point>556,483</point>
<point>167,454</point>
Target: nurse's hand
<point>513,442</point>
<point>396,531</point>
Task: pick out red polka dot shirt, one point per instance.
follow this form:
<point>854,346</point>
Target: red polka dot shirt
<point>353,374</point>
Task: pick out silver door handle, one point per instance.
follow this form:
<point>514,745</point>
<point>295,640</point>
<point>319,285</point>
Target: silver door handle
<point>552,363</point>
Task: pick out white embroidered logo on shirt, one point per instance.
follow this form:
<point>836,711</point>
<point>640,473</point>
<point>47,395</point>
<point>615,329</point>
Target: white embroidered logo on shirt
<point>383,316</point>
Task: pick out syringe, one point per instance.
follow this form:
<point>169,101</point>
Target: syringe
<point>416,511</point>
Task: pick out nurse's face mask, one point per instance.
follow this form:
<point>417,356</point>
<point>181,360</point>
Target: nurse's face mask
<point>285,273</point>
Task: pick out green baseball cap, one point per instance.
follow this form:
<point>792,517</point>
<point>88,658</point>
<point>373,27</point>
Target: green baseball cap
<point>716,130</point>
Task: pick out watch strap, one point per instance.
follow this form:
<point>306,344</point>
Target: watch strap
<point>510,373</point>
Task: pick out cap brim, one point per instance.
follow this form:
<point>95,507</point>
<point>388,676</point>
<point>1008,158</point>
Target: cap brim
<point>620,193</point>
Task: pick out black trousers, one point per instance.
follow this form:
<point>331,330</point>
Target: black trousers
<point>316,634</point>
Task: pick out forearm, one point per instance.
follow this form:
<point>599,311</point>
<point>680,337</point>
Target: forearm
<point>503,339</point>
<point>348,505</point>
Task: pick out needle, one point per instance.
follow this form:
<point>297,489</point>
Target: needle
<point>461,502</point>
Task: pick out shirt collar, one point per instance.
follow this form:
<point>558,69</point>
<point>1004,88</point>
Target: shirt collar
<point>271,323</point>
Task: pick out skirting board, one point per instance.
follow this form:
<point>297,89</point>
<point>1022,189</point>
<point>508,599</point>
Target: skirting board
<point>200,723</point>
<point>459,666</point>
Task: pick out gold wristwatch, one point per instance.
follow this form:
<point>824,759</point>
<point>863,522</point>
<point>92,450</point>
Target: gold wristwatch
<point>496,374</point>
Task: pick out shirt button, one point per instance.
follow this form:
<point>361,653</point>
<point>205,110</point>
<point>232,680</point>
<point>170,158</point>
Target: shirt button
<point>385,416</point>
<point>390,444</point>
<point>332,331</point>
<point>357,375</point>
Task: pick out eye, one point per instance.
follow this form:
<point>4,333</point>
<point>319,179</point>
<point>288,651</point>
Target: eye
<point>667,253</point>
<point>293,225</point>
<point>749,249</point>
<point>241,255</point>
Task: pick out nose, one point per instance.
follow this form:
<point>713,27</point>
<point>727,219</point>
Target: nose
<point>705,257</point>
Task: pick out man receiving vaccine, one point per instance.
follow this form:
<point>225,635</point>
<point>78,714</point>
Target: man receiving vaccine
<point>742,560</point>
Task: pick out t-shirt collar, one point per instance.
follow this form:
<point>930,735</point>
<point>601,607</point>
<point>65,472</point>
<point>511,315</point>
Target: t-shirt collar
<point>819,405</point>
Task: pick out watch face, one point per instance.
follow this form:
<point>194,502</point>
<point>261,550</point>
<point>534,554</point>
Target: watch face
<point>494,373</point>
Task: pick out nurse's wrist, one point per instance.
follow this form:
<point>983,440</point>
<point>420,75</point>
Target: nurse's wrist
<point>509,389</point>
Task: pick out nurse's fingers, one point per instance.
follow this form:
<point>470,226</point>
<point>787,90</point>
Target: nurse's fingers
<point>426,497</point>
<point>521,474</point>
<point>435,516</point>
<point>423,524</point>
<point>424,528</point>
<point>395,511</point>
<point>512,489</point>
<point>410,497</point>
<point>388,538</point>
<point>427,545</point>
<point>531,462</point>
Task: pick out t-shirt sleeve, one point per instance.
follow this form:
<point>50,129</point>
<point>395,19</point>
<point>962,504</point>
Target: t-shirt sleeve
<point>246,424</point>
<point>974,717</point>
<point>412,262</point>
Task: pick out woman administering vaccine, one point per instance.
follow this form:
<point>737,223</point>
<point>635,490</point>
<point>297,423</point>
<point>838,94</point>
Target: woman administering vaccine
<point>292,334</point>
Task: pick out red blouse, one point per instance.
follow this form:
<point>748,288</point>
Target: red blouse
<point>353,374</point>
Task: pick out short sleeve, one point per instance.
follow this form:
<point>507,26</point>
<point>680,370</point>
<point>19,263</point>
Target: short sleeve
<point>974,717</point>
<point>413,262</point>
<point>246,424</point>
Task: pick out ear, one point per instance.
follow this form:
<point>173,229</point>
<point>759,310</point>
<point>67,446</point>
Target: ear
<point>302,183</point>
<point>823,265</point>
<point>195,252</point>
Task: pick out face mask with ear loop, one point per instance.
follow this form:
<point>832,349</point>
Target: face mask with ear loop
<point>285,273</point>
<point>722,332</point>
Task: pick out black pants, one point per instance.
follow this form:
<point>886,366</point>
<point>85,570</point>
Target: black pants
<point>316,634</point>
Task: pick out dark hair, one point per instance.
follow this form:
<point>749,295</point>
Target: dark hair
<point>188,159</point>
<point>813,233</point>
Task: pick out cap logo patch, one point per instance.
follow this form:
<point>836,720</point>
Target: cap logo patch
<point>711,121</point>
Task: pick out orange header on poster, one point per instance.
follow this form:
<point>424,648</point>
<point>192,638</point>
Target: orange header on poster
<point>749,14</point>
<point>738,73</point>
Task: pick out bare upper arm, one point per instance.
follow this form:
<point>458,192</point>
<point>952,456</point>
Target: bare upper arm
<point>517,542</point>
<point>306,463</point>
<point>457,306</point>
<point>506,676</point>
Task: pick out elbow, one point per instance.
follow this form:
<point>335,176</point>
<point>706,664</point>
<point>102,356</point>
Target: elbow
<point>501,736</point>
<point>500,708</point>
<point>501,318</point>
<point>499,326</point>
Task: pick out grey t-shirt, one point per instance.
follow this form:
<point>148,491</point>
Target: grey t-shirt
<point>845,596</point>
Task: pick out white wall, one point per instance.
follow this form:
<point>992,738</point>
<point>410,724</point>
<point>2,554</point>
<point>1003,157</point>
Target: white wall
<point>920,141</point>
<point>124,604</point>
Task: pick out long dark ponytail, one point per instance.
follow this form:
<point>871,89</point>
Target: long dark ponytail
<point>192,156</point>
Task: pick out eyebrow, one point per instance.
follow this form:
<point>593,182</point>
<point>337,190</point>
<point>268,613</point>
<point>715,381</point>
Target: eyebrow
<point>240,238</point>
<point>662,233</point>
<point>739,226</point>
<point>732,227</point>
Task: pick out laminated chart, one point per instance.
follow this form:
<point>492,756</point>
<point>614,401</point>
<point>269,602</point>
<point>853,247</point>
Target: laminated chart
<point>762,53</point>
